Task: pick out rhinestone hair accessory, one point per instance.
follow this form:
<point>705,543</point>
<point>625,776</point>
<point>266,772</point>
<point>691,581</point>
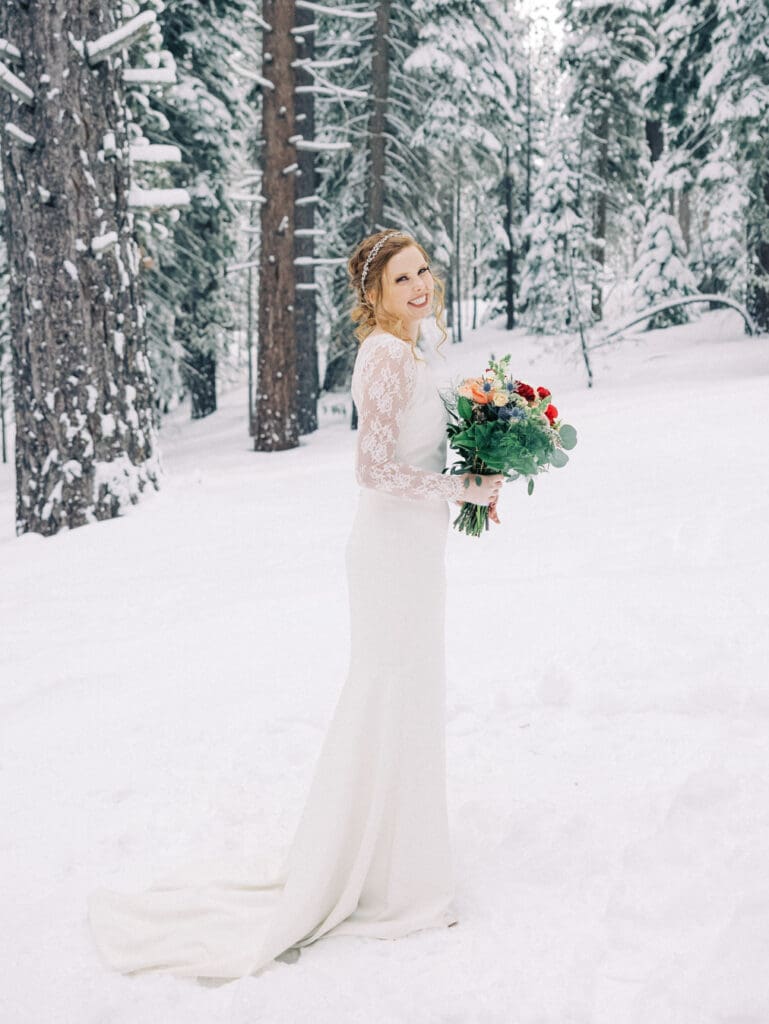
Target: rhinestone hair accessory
<point>370,257</point>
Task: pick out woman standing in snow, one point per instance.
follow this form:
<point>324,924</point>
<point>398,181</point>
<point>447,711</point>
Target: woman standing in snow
<point>371,855</point>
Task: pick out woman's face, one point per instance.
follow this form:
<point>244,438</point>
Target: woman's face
<point>407,286</point>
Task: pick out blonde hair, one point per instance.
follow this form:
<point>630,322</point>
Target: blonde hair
<point>367,315</point>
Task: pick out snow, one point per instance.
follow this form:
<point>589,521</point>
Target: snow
<point>157,198</point>
<point>14,85</point>
<point>71,269</point>
<point>168,677</point>
<point>102,242</point>
<point>122,37</point>
<point>20,135</point>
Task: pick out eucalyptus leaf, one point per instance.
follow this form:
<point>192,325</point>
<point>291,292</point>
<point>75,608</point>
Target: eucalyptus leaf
<point>568,436</point>
<point>530,487</point>
<point>558,458</point>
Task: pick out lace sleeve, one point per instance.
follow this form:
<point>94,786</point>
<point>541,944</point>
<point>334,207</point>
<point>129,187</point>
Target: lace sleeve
<point>388,379</point>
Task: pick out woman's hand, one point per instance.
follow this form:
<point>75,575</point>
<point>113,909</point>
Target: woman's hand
<point>484,493</point>
<point>493,511</point>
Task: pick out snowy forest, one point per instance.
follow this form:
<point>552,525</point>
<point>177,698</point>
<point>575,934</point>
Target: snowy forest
<point>183,182</point>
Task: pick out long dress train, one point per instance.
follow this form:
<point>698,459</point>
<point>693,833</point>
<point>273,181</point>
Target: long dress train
<point>371,855</point>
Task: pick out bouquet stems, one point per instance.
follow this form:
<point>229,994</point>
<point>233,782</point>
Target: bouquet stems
<point>473,519</point>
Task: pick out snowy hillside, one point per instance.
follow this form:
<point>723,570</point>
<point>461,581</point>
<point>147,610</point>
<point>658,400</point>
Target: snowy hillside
<point>167,678</point>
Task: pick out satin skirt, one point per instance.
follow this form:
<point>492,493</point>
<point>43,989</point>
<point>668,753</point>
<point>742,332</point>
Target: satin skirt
<point>371,854</point>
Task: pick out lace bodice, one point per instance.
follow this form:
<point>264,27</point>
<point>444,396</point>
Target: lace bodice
<point>401,444</point>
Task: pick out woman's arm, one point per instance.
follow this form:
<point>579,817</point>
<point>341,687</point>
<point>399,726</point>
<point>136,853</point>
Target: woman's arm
<point>388,382</point>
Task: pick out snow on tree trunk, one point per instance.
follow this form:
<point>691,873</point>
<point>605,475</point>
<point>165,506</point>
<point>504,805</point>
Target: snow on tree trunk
<point>275,406</point>
<point>85,430</point>
<point>308,382</point>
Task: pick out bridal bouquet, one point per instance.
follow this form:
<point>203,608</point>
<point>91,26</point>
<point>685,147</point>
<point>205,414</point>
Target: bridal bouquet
<point>501,425</point>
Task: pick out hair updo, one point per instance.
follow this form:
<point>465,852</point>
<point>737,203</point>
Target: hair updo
<point>367,314</point>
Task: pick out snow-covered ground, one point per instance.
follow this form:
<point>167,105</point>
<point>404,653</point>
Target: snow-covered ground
<point>167,679</point>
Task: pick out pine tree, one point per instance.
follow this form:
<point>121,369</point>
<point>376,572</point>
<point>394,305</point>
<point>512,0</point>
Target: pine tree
<point>85,430</point>
<point>558,274</point>
<point>737,86</point>
<point>606,47</point>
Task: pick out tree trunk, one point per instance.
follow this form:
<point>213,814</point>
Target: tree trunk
<point>380,69</point>
<point>685,219</point>
<point>510,253</point>
<point>308,382</point>
<point>198,370</point>
<point>457,259</point>
<point>275,405</point>
<point>85,429</point>
<point>599,224</point>
<point>758,253</point>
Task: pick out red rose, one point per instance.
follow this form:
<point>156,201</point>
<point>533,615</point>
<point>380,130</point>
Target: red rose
<point>543,392</point>
<point>525,390</point>
<point>551,412</point>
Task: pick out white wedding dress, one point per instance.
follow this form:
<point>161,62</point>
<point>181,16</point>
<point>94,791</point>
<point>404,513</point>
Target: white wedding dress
<point>371,854</point>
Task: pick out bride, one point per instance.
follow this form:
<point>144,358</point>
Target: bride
<point>371,855</point>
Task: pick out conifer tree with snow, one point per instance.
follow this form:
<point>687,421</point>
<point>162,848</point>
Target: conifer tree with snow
<point>605,48</point>
<point>85,429</point>
<point>737,86</point>
<point>470,131</point>
<point>558,278</point>
<point>661,271</point>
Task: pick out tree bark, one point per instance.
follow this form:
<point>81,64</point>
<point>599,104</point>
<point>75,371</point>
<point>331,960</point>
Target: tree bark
<point>599,224</point>
<point>275,405</point>
<point>85,423</point>
<point>308,382</point>
<point>380,70</point>
<point>758,253</point>
<point>510,267</point>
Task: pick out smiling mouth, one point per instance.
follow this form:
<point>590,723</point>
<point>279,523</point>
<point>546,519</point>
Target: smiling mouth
<point>420,303</point>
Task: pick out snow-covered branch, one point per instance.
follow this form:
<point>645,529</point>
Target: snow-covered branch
<point>18,135</point>
<point>247,197</point>
<point>682,300</point>
<point>150,76</point>
<point>120,38</point>
<point>234,267</point>
<point>309,232</point>
<point>317,145</point>
<point>316,261</point>
<point>308,286</point>
<point>310,64</point>
<point>336,12</point>
<point>15,86</point>
<point>152,153</point>
<point>157,198</point>
<point>8,51</point>
<point>103,242</point>
<point>252,76</point>
<point>336,91</point>
<point>303,30</point>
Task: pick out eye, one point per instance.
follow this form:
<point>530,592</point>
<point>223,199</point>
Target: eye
<point>405,277</point>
